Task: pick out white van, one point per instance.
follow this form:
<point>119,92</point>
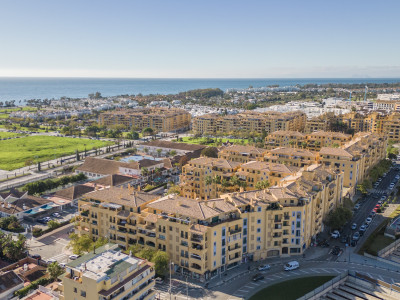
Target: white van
<point>291,265</point>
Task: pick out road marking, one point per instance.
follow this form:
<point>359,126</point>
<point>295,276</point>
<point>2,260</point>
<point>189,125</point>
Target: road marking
<point>295,273</point>
<point>370,275</point>
<point>381,277</point>
<point>252,283</point>
<point>303,271</point>
<point>315,270</point>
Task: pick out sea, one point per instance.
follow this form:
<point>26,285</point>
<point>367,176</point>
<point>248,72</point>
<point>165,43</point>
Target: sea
<point>21,89</point>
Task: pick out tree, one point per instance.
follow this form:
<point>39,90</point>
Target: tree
<point>263,184</point>
<point>80,244</point>
<point>210,152</point>
<point>338,217</point>
<point>161,262</point>
<point>172,153</point>
<point>148,131</point>
<point>174,189</point>
<point>133,135</point>
<point>53,224</point>
<point>159,152</point>
<point>54,270</point>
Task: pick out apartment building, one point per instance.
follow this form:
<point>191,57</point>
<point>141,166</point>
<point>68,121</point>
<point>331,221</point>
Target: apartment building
<point>312,141</point>
<point>160,119</point>
<point>249,121</point>
<point>258,171</point>
<point>320,123</point>
<point>107,273</point>
<point>206,177</point>
<point>291,157</point>
<point>204,238</point>
<point>242,154</point>
<point>283,138</point>
<point>390,126</point>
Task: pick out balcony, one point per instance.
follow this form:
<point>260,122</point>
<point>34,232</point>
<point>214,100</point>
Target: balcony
<point>195,266</point>
<point>195,256</point>
<point>234,231</point>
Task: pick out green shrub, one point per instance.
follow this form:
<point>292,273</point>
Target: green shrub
<point>34,285</point>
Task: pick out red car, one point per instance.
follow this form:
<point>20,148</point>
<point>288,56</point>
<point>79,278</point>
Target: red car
<point>376,209</point>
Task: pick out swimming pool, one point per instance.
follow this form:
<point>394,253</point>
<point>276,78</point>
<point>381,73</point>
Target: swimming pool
<point>138,158</point>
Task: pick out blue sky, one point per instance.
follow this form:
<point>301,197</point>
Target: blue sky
<point>195,39</point>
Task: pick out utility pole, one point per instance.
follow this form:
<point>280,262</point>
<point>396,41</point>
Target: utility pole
<point>170,280</point>
<point>187,288</point>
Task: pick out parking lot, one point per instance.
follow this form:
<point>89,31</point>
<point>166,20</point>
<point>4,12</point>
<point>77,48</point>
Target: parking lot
<point>62,216</point>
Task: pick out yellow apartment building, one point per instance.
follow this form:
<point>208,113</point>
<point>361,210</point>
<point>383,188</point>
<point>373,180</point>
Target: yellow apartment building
<point>284,138</point>
<point>204,238</point>
<point>316,140</point>
<point>242,154</point>
<point>107,274</point>
<point>249,121</point>
<point>159,119</point>
<point>256,171</point>
<point>206,178</point>
<point>320,123</point>
<point>292,157</point>
<point>390,126</point>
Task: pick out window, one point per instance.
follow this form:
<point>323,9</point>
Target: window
<point>258,221</point>
<point>223,231</point>
<point>258,247</point>
<point>75,290</point>
<point>258,230</point>
<point>258,239</point>
<point>83,294</point>
<point>215,233</point>
<point>258,209</point>
<point>244,222</point>
<point>215,263</point>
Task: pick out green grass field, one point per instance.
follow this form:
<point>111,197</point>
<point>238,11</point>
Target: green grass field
<point>15,152</point>
<point>291,289</point>
<point>8,134</point>
<point>200,141</point>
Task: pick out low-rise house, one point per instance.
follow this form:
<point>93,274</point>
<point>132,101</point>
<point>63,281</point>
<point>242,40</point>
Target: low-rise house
<point>163,148</point>
<point>9,283</point>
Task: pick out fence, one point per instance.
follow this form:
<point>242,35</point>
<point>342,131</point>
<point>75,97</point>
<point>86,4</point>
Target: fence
<point>326,287</point>
<point>6,186</point>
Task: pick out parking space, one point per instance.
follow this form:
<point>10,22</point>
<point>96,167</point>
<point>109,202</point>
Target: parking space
<point>59,216</point>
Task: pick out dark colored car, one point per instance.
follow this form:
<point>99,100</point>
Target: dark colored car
<point>258,277</point>
<point>353,243</point>
<point>36,256</point>
<point>343,239</point>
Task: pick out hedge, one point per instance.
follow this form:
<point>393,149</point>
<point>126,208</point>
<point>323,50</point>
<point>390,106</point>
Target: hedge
<point>34,285</point>
<point>39,232</point>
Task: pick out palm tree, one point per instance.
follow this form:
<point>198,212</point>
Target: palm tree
<point>208,182</point>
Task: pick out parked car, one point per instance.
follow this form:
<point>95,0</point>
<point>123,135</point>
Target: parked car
<point>357,206</point>
<point>353,243</point>
<point>335,234</point>
<point>258,277</point>
<point>383,198</point>
<point>380,202</point>
<point>362,228</point>
<point>343,239</point>
<point>73,256</point>
<point>36,256</point>
<point>264,267</point>
<point>354,226</point>
<point>368,221</point>
<point>292,265</point>
<point>356,236</point>
<point>56,215</point>
<point>50,261</point>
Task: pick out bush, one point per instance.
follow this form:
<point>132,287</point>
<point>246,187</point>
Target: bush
<point>34,285</point>
<point>39,187</point>
<point>36,232</point>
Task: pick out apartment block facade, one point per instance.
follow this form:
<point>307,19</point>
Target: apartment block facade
<point>159,119</point>
<point>249,121</point>
<point>203,238</point>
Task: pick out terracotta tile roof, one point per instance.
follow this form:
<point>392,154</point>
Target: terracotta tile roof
<point>9,280</point>
<point>293,151</point>
<point>121,196</point>
<point>330,134</point>
<point>334,151</point>
<point>286,133</point>
<point>172,145</point>
<point>100,166</point>
<point>13,193</point>
<point>244,149</point>
<point>215,162</point>
<point>113,180</point>
<point>201,210</point>
<point>255,198</point>
<point>269,167</point>
<point>74,192</point>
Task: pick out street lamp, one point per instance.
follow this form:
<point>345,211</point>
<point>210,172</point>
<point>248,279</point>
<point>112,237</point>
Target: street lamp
<point>171,264</point>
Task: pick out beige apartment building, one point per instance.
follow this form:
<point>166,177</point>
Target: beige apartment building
<point>313,141</point>
<point>249,121</point>
<point>159,119</point>
<point>204,238</point>
<point>107,274</point>
<point>291,156</point>
<point>242,154</point>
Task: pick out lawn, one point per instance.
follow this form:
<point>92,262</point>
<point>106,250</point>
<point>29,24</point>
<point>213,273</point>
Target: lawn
<point>202,141</point>
<point>291,289</point>
<point>4,134</point>
<point>376,240</point>
<point>395,213</point>
<point>15,152</point>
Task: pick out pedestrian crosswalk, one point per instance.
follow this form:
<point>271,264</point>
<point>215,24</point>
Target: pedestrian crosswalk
<point>61,258</point>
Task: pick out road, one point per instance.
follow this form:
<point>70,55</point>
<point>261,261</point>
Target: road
<point>243,287</point>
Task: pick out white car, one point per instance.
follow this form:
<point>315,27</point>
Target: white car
<point>292,265</point>
<point>50,261</point>
<point>264,267</point>
<point>354,226</point>
<point>73,256</point>
<point>357,206</point>
<point>335,234</point>
<point>368,221</point>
